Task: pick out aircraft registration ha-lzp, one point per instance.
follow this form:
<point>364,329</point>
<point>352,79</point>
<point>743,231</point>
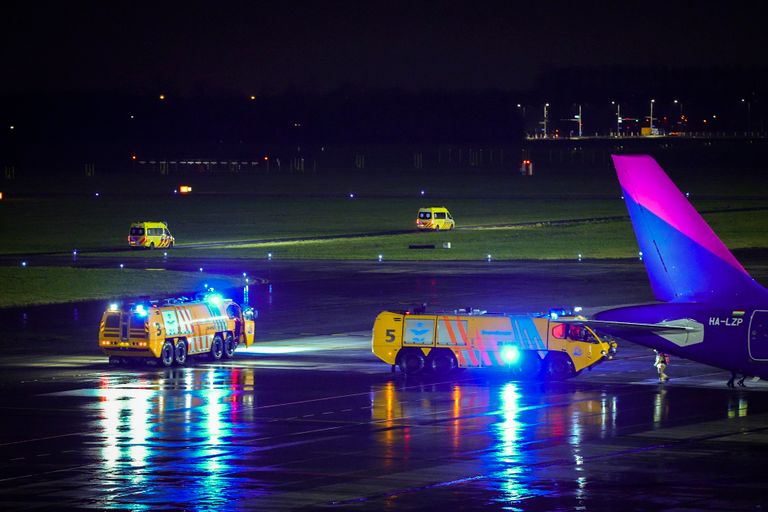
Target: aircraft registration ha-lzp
<point>712,311</point>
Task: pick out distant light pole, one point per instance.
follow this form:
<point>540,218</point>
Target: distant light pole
<point>580,121</point>
<point>546,107</point>
<point>522,108</point>
<point>680,116</point>
<point>749,114</point>
<point>650,120</point>
<point>618,117</point>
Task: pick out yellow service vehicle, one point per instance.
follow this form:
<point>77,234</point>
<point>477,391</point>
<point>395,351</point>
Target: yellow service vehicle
<point>150,234</point>
<point>169,331</point>
<point>530,346</point>
<point>434,218</point>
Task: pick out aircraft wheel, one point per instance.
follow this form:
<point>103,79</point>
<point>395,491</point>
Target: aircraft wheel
<point>412,362</point>
<point>167,354</point>
<point>180,354</point>
<point>217,348</point>
<point>442,362</point>
<point>229,347</point>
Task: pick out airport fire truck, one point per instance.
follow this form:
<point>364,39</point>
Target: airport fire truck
<point>171,330</point>
<point>529,346</point>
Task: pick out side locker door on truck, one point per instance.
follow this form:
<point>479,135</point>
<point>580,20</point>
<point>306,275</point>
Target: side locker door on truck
<point>419,331</point>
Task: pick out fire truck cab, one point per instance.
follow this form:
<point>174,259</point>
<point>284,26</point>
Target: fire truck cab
<point>171,330</point>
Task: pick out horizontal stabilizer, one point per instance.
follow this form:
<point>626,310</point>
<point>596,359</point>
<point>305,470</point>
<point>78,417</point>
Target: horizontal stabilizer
<point>633,326</point>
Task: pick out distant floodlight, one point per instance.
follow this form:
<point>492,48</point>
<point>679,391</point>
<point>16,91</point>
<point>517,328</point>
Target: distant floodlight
<point>122,266</point>
<point>381,257</point>
<point>422,192</point>
<point>23,263</point>
<point>165,255</point>
<point>488,257</point>
<point>244,274</point>
<point>351,195</point>
<point>74,253</point>
<point>687,194</point>
<point>200,269</point>
<point>579,256</point>
<point>640,255</point>
<point>97,194</point>
<point>269,255</point>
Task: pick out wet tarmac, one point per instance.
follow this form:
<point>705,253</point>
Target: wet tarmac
<point>309,419</point>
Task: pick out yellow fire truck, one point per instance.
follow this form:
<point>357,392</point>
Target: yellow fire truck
<point>530,346</point>
<point>171,330</point>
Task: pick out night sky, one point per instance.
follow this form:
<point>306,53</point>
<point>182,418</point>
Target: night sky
<point>216,48</point>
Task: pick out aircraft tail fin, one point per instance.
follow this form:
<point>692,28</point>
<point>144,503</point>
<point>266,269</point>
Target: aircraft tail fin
<point>685,259</point>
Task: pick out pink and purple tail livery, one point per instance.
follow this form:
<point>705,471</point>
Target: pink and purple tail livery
<point>685,260</point>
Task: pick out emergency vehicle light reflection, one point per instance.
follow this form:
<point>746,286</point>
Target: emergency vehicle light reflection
<point>508,432</point>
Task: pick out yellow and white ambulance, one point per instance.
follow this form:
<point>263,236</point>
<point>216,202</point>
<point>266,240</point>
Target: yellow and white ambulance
<point>171,330</point>
<point>434,218</point>
<point>150,234</point>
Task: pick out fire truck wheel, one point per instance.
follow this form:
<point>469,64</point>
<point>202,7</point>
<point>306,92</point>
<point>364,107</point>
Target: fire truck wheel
<point>151,245</point>
<point>412,362</point>
<point>442,361</point>
<point>559,367</point>
<point>229,347</point>
<point>166,354</point>
<point>217,348</point>
<point>180,354</point>
<point>437,228</point>
<point>528,367</point>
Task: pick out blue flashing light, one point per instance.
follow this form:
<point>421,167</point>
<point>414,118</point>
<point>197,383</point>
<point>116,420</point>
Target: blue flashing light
<point>113,307</point>
<point>553,315</point>
<point>510,354</point>
<point>214,298</point>
<point>140,310</point>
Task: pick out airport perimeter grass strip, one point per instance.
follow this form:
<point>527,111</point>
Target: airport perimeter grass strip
<point>51,285</point>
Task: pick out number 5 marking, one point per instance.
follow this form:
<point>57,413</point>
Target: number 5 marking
<point>390,335</point>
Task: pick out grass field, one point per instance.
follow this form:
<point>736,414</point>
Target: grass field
<point>49,285</point>
<point>86,222</point>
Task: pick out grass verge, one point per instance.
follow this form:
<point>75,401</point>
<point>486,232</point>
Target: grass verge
<point>51,285</point>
